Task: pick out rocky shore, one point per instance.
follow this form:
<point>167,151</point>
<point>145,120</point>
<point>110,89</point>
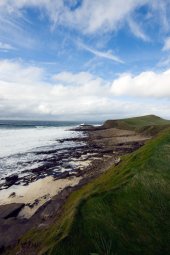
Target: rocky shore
<point>96,150</point>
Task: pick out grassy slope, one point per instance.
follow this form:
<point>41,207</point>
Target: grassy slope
<point>149,124</point>
<point>128,214</point>
<point>124,211</point>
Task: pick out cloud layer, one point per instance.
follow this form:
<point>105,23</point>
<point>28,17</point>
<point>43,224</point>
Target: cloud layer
<point>26,94</point>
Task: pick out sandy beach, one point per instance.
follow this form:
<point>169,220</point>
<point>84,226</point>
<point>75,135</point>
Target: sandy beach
<point>35,194</point>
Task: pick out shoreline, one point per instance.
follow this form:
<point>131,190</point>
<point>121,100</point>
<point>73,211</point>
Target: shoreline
<point>103,148</point>
<point>13,225</point>
<point>35,194</point>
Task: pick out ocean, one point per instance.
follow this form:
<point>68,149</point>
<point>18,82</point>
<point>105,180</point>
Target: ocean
<point>23,144</point>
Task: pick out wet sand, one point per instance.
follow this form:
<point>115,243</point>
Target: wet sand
<point>35,194</point>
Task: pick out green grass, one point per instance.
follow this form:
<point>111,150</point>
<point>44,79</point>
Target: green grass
<point>149,124</point>
<point>124,211</point>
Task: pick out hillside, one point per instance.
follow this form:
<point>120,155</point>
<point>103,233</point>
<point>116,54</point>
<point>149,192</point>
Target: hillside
<point>148,123</point>
<point>124,211</point>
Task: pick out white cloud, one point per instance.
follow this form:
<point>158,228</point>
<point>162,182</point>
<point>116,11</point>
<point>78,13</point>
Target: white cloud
<point>97,14</point>
<point>107,55</point>
<point>161,13</point>
<point>90,17</point>
<point>6,47</point>
<point>13,30</point>
<point>19,72</point>
<point>166,44</point>
<point>137,31</point>
<point>164,62</point>
<point>146,84</point>
<point>25,93</point>
<point>76,79</point>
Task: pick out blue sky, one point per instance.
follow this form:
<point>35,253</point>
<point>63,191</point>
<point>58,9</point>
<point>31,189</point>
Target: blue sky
<point>84,59</point>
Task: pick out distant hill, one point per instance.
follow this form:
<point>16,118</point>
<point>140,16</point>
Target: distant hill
<point>136,122</point>
<point>150,124</point>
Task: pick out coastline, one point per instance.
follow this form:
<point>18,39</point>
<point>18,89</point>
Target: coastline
<point>103,148</point>
<point>35,194</point>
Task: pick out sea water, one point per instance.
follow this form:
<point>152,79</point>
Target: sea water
<point>21,140</point>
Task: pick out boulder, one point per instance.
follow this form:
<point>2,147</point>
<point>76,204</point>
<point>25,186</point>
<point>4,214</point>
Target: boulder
<point>10,180</point>
<point>10,210</point>
<point>13,194</point>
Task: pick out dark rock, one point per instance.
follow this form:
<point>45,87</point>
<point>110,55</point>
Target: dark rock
<point>64,175</point>
<point>10,180</point>
<point>36,202</point>
<point>25,183</point>
<point>10,210</point>
<point>73,139</point>
<point>17,183</point>
<point>13,194</point>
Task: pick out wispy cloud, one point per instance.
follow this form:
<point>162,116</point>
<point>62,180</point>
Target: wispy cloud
<point>166,44</point>
<point>88,18</point>
<point>6,46</point>
<point>164,62</point>
<point>137,31</point>
<point>161,11</point>
<point>14,30</point>
<point>101,54</point>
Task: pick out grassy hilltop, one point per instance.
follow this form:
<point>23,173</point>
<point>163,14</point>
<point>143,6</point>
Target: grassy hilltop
<point>149,124</point>
<point>124,211</point>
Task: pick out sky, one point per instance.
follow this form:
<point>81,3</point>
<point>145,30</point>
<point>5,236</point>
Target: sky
<point>84,59</point>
